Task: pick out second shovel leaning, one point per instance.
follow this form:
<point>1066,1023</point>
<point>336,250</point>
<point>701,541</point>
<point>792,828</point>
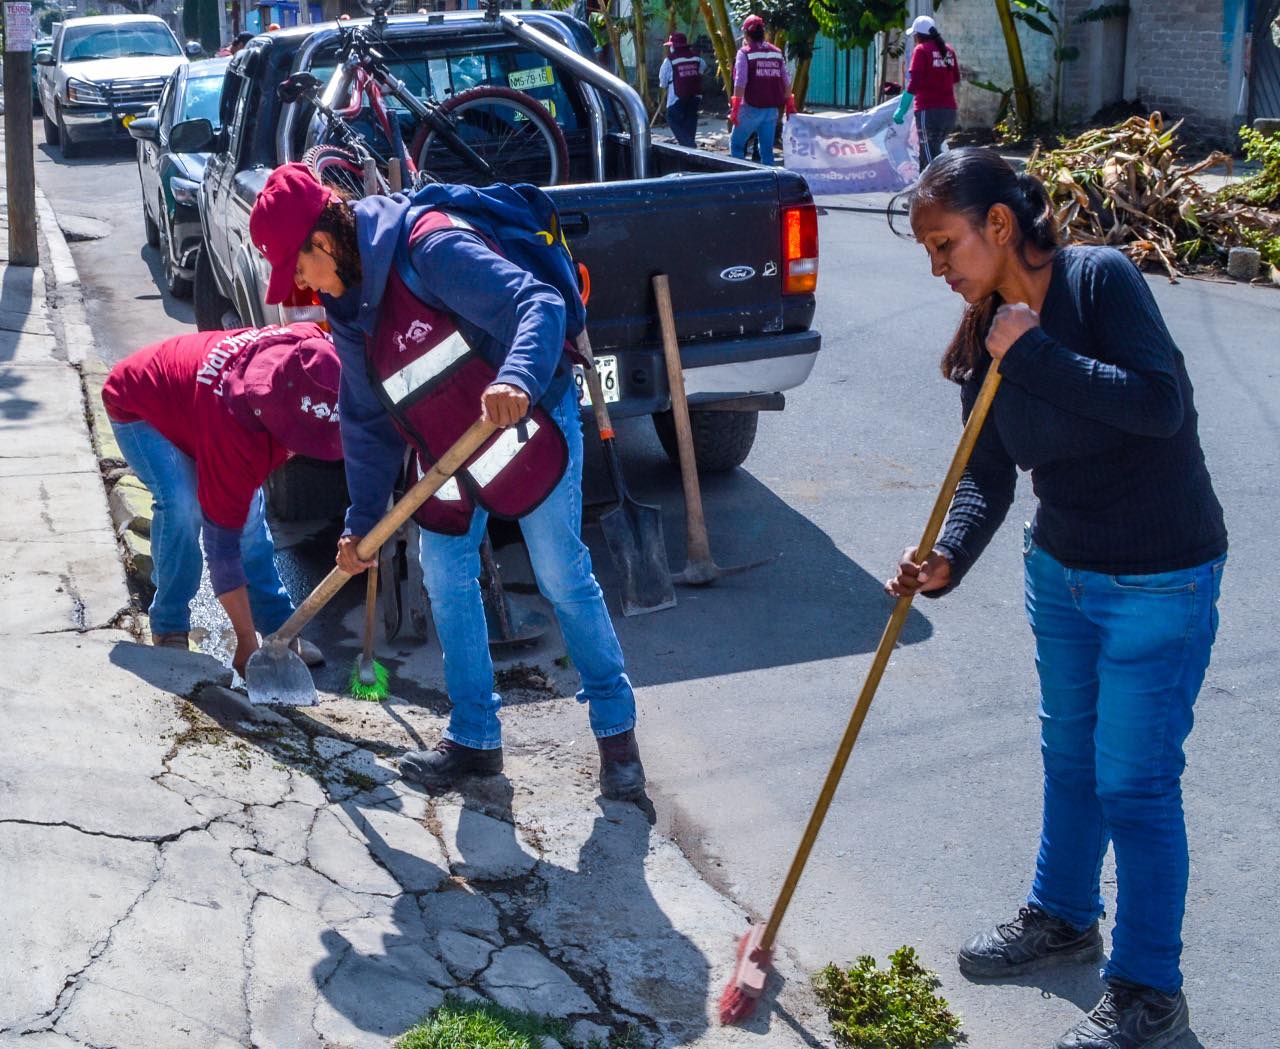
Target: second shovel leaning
<point>632,530</point>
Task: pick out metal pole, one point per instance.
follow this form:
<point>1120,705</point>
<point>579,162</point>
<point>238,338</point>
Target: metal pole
<point>19,155</point>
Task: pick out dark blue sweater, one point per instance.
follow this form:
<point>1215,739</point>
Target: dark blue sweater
<point>515,322</point>
<point>1097,404</point>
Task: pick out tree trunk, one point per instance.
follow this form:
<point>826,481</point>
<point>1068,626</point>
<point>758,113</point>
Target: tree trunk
<point>724,60</point>
<point>615,40</point>
<point>642,64</point>
<point>726,35</point>
<point>1023,101</point>
<point>862,80</point>
<point>800,85</point>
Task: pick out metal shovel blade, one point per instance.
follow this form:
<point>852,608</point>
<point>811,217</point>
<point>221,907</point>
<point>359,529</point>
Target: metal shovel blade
<point>277,677</point>
<point>633,532</point>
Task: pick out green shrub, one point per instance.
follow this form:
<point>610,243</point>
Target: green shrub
<point>897,1008</point>
<point>1263,189</point>
<point>480,1025</point>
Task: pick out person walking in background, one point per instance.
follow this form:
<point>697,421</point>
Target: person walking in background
<point>1122,568</point>
<point>681,74</point>
<point>931,82</point>
<point>761,88</point>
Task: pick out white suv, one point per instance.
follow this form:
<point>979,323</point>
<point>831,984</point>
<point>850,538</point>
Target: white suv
<point>101,73</point>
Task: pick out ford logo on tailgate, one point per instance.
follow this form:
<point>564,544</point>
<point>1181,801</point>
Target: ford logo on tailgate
<point>737,273</point>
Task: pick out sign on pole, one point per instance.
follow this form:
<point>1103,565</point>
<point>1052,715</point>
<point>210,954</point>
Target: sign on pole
<point>17,27</point>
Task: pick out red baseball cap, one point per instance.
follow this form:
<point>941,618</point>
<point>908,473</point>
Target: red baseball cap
<point>677,40</point>
<point>282,219</point>
<point>290,388</point>
<point>752,22</point>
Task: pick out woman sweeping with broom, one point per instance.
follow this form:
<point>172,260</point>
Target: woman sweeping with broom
<point>1123,566</point>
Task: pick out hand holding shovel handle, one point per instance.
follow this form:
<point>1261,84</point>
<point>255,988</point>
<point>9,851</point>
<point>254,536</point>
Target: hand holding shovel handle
<point>463,449</point>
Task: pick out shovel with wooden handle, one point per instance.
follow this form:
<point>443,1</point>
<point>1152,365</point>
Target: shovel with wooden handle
<point>276,676</point>
<point>632,530</point>
<point>700,567</point>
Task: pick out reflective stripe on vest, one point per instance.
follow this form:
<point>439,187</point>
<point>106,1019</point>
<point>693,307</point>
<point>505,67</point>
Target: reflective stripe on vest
<point>401,385</point>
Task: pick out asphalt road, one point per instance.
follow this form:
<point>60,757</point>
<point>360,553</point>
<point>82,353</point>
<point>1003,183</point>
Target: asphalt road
<point>745,687</point>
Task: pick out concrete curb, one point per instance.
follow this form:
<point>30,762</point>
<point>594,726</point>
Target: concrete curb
<point>127,497</point>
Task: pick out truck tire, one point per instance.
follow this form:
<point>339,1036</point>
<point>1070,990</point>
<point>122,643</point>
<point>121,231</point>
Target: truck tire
<point>211,308</point>
<point>70,150</point>
<point>50,129</point>
<point>150,228</point>
<point>721,440</point>
<point>307,490</point>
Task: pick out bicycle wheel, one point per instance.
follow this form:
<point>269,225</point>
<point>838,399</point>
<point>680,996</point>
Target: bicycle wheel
<point>338,167</point>
<point>511,131</point>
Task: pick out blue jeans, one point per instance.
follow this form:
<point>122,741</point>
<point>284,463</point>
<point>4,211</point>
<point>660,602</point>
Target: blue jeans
<point>763,123</point>
<point>682,119</point>
<point>562,566</point>
<point>170,475</point>
<point>1121,659</point>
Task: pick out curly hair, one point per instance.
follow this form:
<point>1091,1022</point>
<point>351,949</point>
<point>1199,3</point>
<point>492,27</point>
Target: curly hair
<point>339,221</point>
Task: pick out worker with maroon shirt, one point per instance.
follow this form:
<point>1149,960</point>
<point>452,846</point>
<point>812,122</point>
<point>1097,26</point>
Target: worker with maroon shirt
<point>681,74</point>
<point>761,89</point>
<point>203,419</point>
<point>931,83</point>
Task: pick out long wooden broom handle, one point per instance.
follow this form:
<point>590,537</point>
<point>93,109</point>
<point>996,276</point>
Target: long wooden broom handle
<point>463,449</point>
<point>883,651</point>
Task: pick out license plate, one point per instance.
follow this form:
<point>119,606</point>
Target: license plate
<point>608,369</point>
<point>525,79</point>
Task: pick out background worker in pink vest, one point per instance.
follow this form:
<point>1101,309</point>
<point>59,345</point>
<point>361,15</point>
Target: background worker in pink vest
<point>761,89</point>
<point>681,74</point>
<point>435,328</point>
<point>203,419</point>
<point>931,83</point>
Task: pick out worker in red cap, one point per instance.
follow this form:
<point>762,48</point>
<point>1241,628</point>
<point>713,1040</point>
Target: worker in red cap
<point>203,419</point>
<point>436,327</point>
<point>761,90</point>
<point>681,74</point>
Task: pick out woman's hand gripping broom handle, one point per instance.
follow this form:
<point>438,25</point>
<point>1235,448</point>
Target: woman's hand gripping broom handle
<point>887,642</point>
<point>463,449</point>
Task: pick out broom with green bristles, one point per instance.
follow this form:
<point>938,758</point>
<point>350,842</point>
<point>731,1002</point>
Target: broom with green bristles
<point>369,677</point>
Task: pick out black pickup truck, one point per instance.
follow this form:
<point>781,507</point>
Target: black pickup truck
<point>738,241</point>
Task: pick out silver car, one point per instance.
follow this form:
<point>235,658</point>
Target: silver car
<point>100,74</point>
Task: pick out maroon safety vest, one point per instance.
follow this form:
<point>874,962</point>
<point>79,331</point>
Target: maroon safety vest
<point>766,76</point>
<point>686,74</point>
<point>431,382</point>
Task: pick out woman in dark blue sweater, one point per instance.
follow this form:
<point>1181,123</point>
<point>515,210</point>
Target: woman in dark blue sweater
<point>1123,567</point>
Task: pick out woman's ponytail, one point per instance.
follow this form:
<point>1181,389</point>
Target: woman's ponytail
<point>941,44</point>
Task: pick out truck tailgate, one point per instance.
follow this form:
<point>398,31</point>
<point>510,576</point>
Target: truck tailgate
<point>717,237</point>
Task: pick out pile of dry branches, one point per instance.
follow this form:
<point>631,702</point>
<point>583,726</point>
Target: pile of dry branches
<point>1125,186</point>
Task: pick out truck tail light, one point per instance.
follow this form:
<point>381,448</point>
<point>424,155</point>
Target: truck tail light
<point>799,249</point>
<point>303,304</point>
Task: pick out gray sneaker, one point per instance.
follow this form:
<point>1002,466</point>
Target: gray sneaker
<point>1034,940</point>
<point>1130,1017</point>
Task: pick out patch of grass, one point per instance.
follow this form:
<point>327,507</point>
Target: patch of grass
<point>481,1025</point>
<point>897,1008</point>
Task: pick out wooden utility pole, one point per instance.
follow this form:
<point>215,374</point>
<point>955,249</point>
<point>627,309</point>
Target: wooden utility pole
<point>19,155</point>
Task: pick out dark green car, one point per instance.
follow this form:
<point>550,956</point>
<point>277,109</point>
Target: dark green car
<point>43,43</point>
<point>171,180</point>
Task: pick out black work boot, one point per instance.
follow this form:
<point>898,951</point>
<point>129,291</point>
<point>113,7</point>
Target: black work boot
<point>1130,1017</point>
<point>1033,940</point>
<point>447,763</point>
<point>621,774</point>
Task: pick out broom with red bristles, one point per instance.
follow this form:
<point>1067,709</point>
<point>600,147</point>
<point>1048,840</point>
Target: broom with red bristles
<point>755,948</point>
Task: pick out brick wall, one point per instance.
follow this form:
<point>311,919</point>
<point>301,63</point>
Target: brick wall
<point>1186,57</point>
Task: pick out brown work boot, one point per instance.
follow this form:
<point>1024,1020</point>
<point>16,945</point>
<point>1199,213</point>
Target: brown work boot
<point>621,774</point>
<point>178,640</point>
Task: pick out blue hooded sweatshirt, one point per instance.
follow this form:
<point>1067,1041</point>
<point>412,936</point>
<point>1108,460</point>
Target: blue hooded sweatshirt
<point>513,320</point>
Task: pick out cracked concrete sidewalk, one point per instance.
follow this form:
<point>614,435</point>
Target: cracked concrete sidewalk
<point>180,868</point>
